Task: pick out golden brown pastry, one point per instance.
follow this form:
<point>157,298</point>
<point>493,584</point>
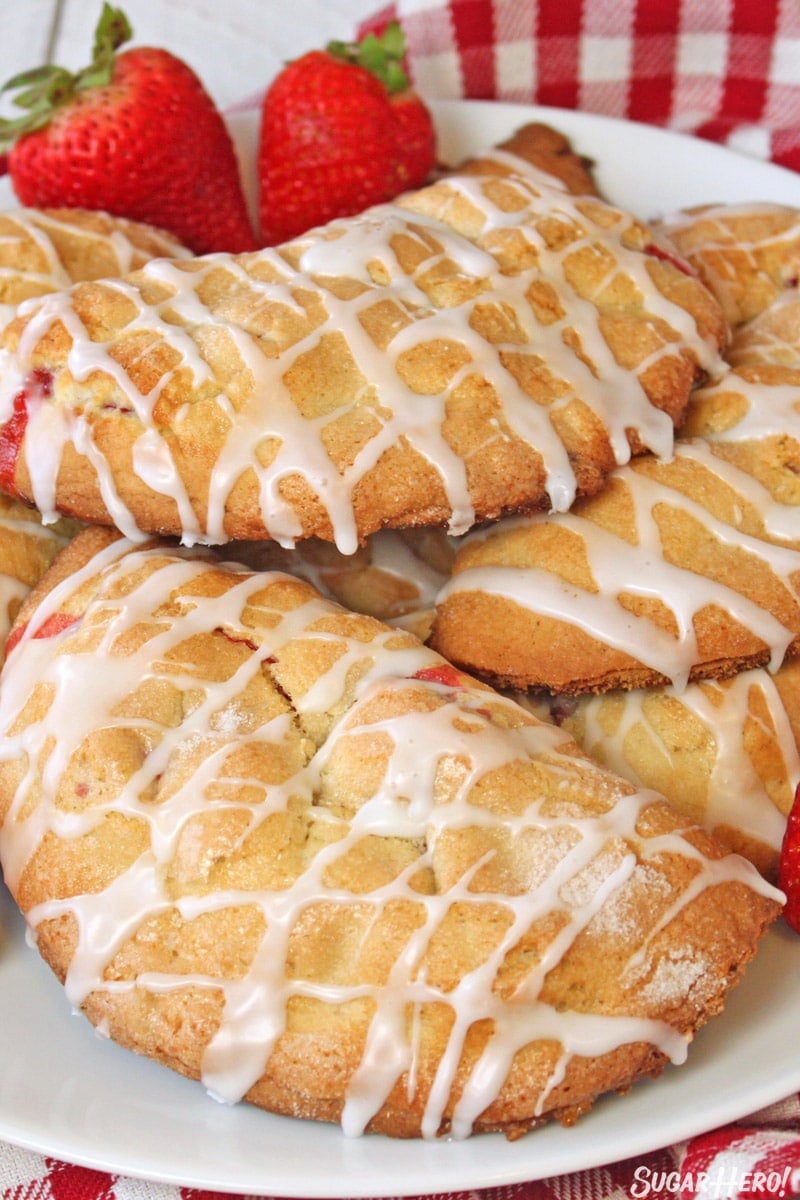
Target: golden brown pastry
<point>539,146</point>
<point>723,752</point>
<point>676,571</point>
<point>750,416</point>
<point>290,851</point>
<point>484,346</point>
<point>45,250</point>
<point>395,576</point>
<point>747,254</point>
<point>27,548</point>
<point>772,337</point>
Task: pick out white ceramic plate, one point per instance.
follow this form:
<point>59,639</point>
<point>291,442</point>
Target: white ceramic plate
<point>67,1093</point>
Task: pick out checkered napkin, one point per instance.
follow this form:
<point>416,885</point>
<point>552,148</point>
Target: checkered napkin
<point>727,70</point>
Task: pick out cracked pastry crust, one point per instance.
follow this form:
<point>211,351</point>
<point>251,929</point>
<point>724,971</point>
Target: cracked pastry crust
<point>451,919</point>
<point>772,338</point>
<point>748,255</point>
<point>45,250</point>
<point>490,344</point>
<point>543,148</point>
<point>692,744</point>
<point>27,548</point>
<point>395,576</point>
<point>677,571</point>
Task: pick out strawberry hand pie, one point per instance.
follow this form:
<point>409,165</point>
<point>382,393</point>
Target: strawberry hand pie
<point>291,852</point>
<point>487,345</point>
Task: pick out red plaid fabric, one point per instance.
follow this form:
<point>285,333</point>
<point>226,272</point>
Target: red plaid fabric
<point>726,70</point>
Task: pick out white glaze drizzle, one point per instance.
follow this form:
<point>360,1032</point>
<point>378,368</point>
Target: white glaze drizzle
<point>771,337</point>
<point>16,524</point>
<point>52,277</point>
<point>772,408</point>
<point>725,234</point>
<point>515,165</point>
<point>720,217</point>
<point>458,727</point>
<point>779,520</point>
<point>736,795</point>
<point>639,569</point>
<point>388,553</point>
<point>407,417</point>
<point>39,227</point>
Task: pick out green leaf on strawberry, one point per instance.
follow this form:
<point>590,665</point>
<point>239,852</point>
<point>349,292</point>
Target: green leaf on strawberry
<point>382,55</point>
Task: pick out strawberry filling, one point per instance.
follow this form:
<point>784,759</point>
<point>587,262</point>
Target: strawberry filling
<point>444,674</point>
<point>789,866</point>
<point>659,252</point>
<point>38,387</point>
<point>54,624</point>
<point>11,436</point>
<point>242,641</point>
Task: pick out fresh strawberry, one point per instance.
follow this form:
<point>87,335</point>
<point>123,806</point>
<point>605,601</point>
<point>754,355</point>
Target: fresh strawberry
<point>341,129</point>
<point>789,866</point>
<point>135,134</point>
<point>415,140</point>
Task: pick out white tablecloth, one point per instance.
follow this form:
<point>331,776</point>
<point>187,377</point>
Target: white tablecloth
<point>252,42</point>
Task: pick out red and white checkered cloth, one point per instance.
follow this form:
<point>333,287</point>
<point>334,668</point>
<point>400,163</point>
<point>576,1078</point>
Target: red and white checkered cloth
<point>727,70</point>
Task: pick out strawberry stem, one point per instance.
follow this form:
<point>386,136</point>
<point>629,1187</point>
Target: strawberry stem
<point>113,30</point>
<point>382,55</point>
<point>42,90</point>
